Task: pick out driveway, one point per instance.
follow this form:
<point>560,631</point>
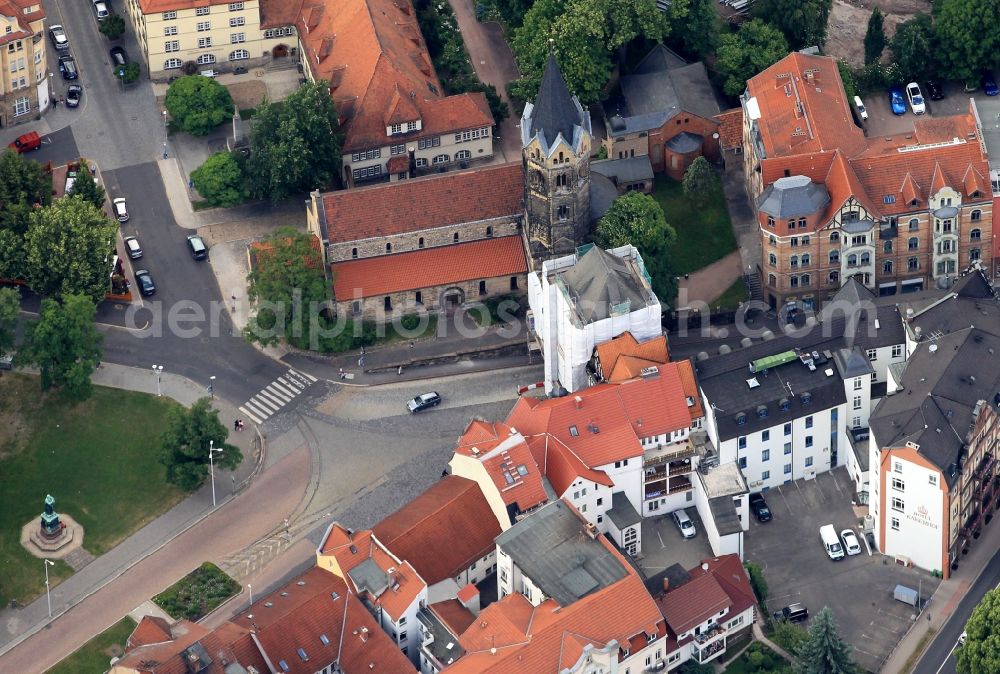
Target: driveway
<point>857,589</point>
<point>662,544</point>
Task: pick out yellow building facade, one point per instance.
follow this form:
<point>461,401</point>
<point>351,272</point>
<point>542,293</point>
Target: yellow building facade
<point>24,85</point>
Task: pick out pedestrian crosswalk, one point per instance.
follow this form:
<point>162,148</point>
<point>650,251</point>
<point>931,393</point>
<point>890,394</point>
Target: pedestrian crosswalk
<point>270,399</point>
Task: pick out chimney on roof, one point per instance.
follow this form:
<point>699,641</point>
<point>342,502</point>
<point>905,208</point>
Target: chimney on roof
<point>579,402</point>
<point>666,584</point>
<point>591,529</point>
<point>364,634</point>
<point>469,598</point>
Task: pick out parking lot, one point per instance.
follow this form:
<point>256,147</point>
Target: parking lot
<point>662,544</point>
<point>881,121</point>
<point>858,589</point>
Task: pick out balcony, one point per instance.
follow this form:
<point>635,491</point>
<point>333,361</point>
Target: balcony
<point>710,645</point>
<point>664,453</point>
<point>985,466</point>
<point>711,635</point>
<point>679,484</point>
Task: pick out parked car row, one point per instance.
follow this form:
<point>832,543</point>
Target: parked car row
<point>839,547</point>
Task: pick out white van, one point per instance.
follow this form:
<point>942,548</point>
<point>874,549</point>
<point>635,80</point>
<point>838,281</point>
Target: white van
<point>828,535</point>
<point>860,107</point>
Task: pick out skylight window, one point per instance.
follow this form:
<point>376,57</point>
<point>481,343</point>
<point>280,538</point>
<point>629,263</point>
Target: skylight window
<point>522,470</point>
<point>324,640</point>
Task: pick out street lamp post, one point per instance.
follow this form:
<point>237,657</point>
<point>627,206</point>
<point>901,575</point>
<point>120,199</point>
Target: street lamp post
<point>211,466</point>
<point>211,386</point>
<point>48,597</point>
<point>158,370</point>
<point>250,587</point>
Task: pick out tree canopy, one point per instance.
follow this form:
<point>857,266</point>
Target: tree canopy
<point>295,144</point>
<point>875,36</point>
<point>824,651</point>
<point>701,30</point>
<point>802,21</point>
<point>10,309</point>
<point>198,104</point>
<point>754,47</point>
<point>85,187</point>
<point>113,27</point>
<point>68,249</point>
<point>220,180</point>
<point>700,179</point>
<point>64,344</point>
<point>24,185</point>
<point>636,218</point>
<point>968,28</point>
<point>913,46</point>
<point>289,286</point>
<point>981,652</point>
<point>186,442</point>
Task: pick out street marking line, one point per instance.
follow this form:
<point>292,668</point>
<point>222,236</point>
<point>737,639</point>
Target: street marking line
<point>273,393</point>
<point>258,409</point>
<point>270,398</point>
<point>283,389</point>
<point>304,374</point>
<point>264,404</point>
<point>276,390</point>
<point>253,418</point>
<point>293,384</point>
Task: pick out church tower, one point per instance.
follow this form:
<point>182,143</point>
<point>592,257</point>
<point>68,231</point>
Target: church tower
<point>555,146</point>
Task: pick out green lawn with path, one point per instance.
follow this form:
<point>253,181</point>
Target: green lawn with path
<point>96,654</point>
<point>99,459</point>
<point>704,231</point>
<point>733,295</point>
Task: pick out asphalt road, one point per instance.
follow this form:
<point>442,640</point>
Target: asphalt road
<point>939,658</point>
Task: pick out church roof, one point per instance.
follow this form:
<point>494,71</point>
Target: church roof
<point>555,111</point>
<point>601,282</point>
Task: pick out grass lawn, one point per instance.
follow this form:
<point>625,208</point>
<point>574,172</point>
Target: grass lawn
<point>758,659</point>
<point>97,458</point>
<point>197,594</point>
<point>704,231</point>
<point>96,654</point>
<point>731,298</point>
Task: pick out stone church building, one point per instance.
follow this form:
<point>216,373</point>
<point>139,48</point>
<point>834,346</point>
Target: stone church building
<point>441,241</point>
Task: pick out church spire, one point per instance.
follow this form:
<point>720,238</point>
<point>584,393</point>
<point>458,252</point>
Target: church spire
<point>555,111</point>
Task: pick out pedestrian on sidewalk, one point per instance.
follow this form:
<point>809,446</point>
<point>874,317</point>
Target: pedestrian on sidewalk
<point>411,343</point>
<point>241,425</point>
<point>236,424</point>
<point>400,370</point>
<point>342,374</point>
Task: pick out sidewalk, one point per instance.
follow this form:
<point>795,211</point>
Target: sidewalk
<point>943,602</point>
<point>708,283</point>
<point>21,623</point>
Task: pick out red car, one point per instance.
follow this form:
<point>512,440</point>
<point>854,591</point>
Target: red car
<point>26,142</point>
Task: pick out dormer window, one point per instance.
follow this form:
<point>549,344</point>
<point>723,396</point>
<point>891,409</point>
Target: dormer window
<point>413,126</point>
<point>395,128</point>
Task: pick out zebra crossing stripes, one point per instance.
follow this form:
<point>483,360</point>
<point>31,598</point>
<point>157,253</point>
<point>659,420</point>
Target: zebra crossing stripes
<point>270,399</point>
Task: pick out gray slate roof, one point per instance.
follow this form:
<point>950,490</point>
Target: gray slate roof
<point>555,111</point>
<point>683,89</point>
<point>971,301</point>
<point>622,512</point>
<point>852,363</point>
<point>600,280</point>
<point>602,194</point>
<point>553,549</point>
<point>627,170</point>
<point>727,521</point>
<point>685,142</point>
<point>793,197</point>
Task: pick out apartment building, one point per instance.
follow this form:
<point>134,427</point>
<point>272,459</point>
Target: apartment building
<point>934,440</point>
<point>24,85</point>
<point>899,213</point>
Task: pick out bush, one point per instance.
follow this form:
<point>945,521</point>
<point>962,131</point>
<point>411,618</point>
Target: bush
<point>789,636</point>
<point>220,180</point>
<point>113,27</point>
<point>198,104</point>
<point>197,594</point>
<point>129,73</point>
<point>757,581</point>
<point>410,321</point>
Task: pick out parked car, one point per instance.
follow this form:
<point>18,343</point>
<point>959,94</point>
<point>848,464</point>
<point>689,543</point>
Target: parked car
<point>916,98</point>
<point>58,37</point>
<point>759,508</point>
<point>132,247</point>
<point>934,90</point>
<point>73,95</point>
<point>684,523</point>
<point>145,281</point>
<point>121,209</point>
<point>860,107</point>
<point>851,544</point>
<point>896,101</point>
<point>990,84</point>
<point>424,401</point>
<point>26,142</point>
<point>197,247</point>
<point>101,11</point>
<point>119,57</point>
<point>67,66</point>
<point>834,550</point>
<point>961,638</point>
<point>795,613</point>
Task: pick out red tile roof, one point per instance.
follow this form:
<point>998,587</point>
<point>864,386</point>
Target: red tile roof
<point>227,644</point>
<point>443,530</point>
<point>274,13</point>
<point>428,268</point>
<point>310,606</point>
<point>453,615</point>
<point>730,128</point>
<point>150,630</point>
<point>652,350</point>
<point>685,369</point>
<point>424,203</point>
<point>15,9</point>
<point>502,456</point>
<point>803,107</point>
<point>374,56</point>
<point>561,465</point>
<point>723,584</point>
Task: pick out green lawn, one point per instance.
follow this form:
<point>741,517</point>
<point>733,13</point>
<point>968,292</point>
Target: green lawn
<point>704,232</point>
<point>96,654</point>
<point>97,458</point>
<point>731,298</point>
<point>758,659</point>
<point>197,594</point>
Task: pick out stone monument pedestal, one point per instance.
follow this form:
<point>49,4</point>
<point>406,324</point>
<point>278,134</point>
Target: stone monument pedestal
<point>68,539</point>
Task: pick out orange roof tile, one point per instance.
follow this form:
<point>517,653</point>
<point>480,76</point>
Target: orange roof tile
<point>443,530</point>
<point>429,267</point>
<point>693,603</point>
<point>653,350</point>
<point>467,593</point>
<point>150,630</point>
<point>685,370</point>
<point>453,615</point>
<point>274,13</point>
<point>561,466</point>
<point>16,9</point>
<point>503,454</point>
<point>168,654</point>
<point>803,107</point>
<point>909,190</point>
<point>730,128</point>
<point>367,49</point>
<point>424,203</point>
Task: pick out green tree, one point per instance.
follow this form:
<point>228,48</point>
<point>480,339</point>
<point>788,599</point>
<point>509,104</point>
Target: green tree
<point>186,442</point>
<point>294,145</point>
<point>824,651</point>
<point>875,36</point>
<point>23,185</point>
<point>113,27</point>
<point>700,179</point>
<point>701,30</point>
<point>85,187</point>
<point>198,104</point>
<point>848,78</point>
<point>68,249</point>
<point>968,28</point>
<point>695,667</point>
<point>513,11</point>
<point>756,46</point>
<point>789,636</point>
<point>636,218</point>
<point>981,652</point>
<point>10,309</point>
<point>65,345</point>
<point>913,47</point>
<point>757,581</point>
<point>288,284</point>
<point>802,21</point>
<point>128,73</point>
<point>220,180</point>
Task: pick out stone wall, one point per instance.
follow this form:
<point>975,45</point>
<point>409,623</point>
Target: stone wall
<point>427,238</point>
